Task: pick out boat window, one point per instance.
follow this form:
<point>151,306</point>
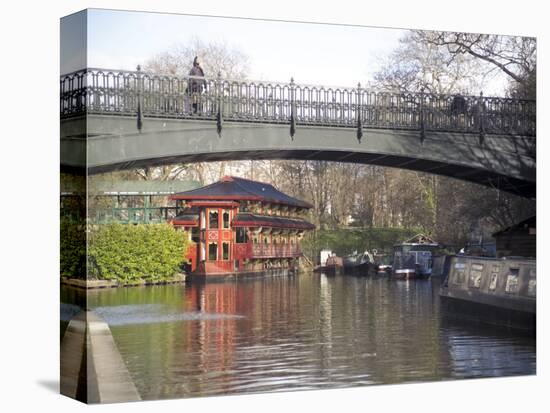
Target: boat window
<point>494,277</point>
<point>476,271</point>
<point>225,251</point>
<point>213,251</point>
<point>512,281</point>
<point>459,274</point>
<point>225,219</point>
<point>240,236</point>
<point>532,285</point>
<point>213,220</point>
<point>195,234</point>
<point>203,219</point>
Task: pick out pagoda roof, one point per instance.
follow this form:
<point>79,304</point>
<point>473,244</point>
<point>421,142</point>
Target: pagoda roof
<point>249,220</point>
<point>234,188</point>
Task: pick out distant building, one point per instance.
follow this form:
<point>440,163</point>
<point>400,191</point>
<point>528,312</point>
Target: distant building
<point>241,226</point>
<point>518,240</point>
<point>122,201</point>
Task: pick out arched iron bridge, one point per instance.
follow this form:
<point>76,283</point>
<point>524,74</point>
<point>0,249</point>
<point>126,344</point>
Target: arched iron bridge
<point>136,118</point>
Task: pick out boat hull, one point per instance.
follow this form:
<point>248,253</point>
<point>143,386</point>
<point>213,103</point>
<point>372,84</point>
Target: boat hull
<point>362,268</point>
<point>241,275</point>
<point>480,310</point>
<point>329,270</point>
<point>409,274</point>
<point>497,291</point>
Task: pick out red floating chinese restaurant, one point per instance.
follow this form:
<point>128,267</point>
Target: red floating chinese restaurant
<point>238,226</point>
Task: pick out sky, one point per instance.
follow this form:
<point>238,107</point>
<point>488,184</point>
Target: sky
<point>311,53</point>
<point>326,54</point>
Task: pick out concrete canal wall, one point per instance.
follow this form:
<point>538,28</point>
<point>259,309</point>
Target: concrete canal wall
<point>92,369</point>
<point>90,283</point>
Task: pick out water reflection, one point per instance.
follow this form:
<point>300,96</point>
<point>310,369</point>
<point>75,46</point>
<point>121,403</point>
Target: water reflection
<point>291,333</point>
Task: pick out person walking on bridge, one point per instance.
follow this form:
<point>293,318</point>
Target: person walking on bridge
<point>196,85</point>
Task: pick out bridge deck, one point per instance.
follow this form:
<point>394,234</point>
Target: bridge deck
<point>115,119</point>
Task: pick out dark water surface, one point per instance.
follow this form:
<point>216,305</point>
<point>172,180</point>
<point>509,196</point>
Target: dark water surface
<point>304,332</point>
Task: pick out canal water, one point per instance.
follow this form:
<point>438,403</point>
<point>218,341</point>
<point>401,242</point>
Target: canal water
<point>295,333</point>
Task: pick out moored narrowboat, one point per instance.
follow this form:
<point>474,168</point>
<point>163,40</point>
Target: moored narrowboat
<point>330,263</point>
<point>382,264</point>
<point>358,263</point>
<point>499,291</point>
<point>334,266</point>
<point>413,258</point>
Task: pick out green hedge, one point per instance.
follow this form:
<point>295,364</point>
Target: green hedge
<point>72,248</point>
<point>149,252</point>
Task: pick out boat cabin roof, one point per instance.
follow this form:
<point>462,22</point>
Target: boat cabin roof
<point>419,240</point>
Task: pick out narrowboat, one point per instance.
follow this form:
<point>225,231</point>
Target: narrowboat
<point>498,291</point>
<point>358,263</point>
<point>382,265</point>
<point>331,264</point>
<point>334,266</point>
<point>413,258</point>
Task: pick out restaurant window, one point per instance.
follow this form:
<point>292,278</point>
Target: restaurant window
<point>240,236</point>
<point>512,281</point>
<point>476,272</point>
<point>195,234</point>
<point>266,239</point>
<point>225,219</point>
<point>213,219</point>
<point>225,251</point>
<point>494,277</point>
<point>213,251</point>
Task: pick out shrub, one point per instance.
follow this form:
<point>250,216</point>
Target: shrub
<point>72,248</point>
<point>149,252</point>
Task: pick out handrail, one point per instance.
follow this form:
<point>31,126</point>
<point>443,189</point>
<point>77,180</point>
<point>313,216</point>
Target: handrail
<point>121,92</point>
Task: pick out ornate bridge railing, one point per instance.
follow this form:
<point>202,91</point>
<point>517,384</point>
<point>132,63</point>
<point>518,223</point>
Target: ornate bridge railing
<point>143,94</point>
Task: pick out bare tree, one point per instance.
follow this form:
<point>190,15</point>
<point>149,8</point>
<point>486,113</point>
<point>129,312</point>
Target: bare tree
<point>514,56</point>
<point>216,58</point>
<point>418,64</point>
